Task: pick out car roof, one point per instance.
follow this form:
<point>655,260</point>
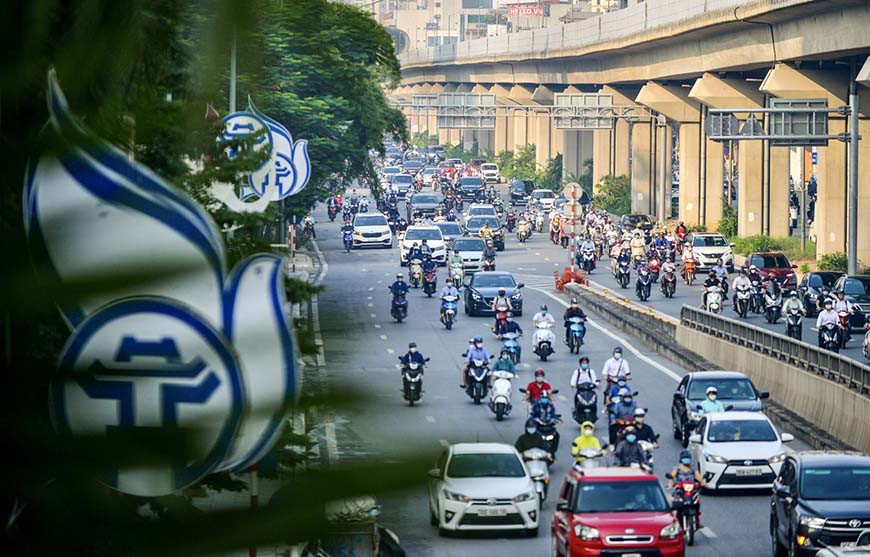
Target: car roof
<point>492,273</point>
<point>832,457</point>
<point>717,374</point>
<point>762,253</point>
<point>611,473</point>
<point>477,448</point>
<point>424,227</point>
<point>737,415</point>
<point>707,234</point>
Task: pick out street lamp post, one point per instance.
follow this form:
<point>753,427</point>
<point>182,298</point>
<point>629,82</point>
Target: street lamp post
<point>852,216</point>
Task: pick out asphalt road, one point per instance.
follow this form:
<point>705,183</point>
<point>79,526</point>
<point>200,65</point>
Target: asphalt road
<point>362,343</point>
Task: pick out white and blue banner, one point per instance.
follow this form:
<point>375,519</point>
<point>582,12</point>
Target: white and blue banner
<point>179,343</point>
<point>284,174</point>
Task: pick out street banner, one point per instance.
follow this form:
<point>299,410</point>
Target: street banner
<point>528,9</point>
<point>177,344</point>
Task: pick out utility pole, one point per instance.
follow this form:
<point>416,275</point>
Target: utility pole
<point>233,75</point>
<point>852,189</point>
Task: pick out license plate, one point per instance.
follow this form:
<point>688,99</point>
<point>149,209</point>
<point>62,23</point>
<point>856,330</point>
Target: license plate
<point>847,544</point>
<point>491,512</point>
<point>631,555</point>
<point>757,471</point>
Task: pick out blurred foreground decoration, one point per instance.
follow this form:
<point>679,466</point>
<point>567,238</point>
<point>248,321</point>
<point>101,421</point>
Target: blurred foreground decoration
<point>285,173</point>
<point>193,350</point>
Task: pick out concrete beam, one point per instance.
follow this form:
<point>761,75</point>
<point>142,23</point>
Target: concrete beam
<point>787,82</point>
<point>464,88</point>
<point>864,74</point>
<point>543,95</point>
<point>671,100</point>
<point>719,92</point>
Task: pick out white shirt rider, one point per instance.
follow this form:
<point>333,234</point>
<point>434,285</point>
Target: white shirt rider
<point>827,316</point>
<point>615,367</point>
<point>543,316</point>
<point>581,376</point>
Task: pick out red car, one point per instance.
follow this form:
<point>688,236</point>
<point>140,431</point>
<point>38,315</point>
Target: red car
<point>447,169</point>
<point>614,511</point>
<point>776,265</point>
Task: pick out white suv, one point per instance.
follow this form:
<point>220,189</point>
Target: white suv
<point>371,230</point>
<point>434,239</point>
<point>709,247</point>
<point>490,172</point>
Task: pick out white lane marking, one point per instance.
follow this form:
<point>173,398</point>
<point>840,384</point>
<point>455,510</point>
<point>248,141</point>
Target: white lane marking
<point>383,337</point>
<point>371,288</point>
<point>546,259</point>
<point>377,325</point>
<point>373,315</point>
<point>444,443</point>
<point>537,253</point>
<point>562,397</point>
<point>370,304</point>
<point>368,297</point>
<point>708,533</point>
<point>667,371</point>
<point>315,307</point>
<point>390,351</point>
<point>430,419</point>
<point>524,269</point>
<point>380,281</point>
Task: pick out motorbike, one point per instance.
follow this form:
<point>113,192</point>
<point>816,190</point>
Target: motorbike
<point>346,214</point>
<point>587,259</point>
<point>687,500</point>
<point>669,282</point>
<point>399,307</point>
<point>794,328</point>
<point>489,264</point>
<point>364,205</point>
<point>654,266</point>
<point>844,327</point>
<point>831,337</point>
<point>576,333</point>
<point>512,345</point>
<point>347,237</point>
<point>430,282</point>
<point>772,305</point>
<point>308,230</point>
<point>623,274</point>
<point>585,403</point>
<point>412,382</point>
<point>524,230</point>
<point>548,433</point>
<point>476,384</point>
<point>449,305</point>
<point>510,222</point>
<point>500,317</point>
<point>644,284</point>
<point>537,462</point>
<point>648,451</point>
<point>714,299</point>
<point>457,274</point>
<point>539,222</point>
<point>543,340</point>
<point>756,297</point>
<point>867,345</point>
<point>332,211</point>
<point>743,300</point>
<point>393,222</point>
<point>588,458</point>
<point>689,272</point>
<point>415,277</point>
<point>500,395</point>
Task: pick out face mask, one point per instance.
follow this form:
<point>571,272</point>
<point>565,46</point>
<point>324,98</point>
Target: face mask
<point>504,357</point>
<point>631,438</point>
<point>686,461</point>
<point>530,430</point>
<point>712,397</point>
<point>639,419</point>
<point>584,366</point>
<point>539,379</point>
<point>412,350</point>
<point>588,432</point>
<point>510,319</point>
<point>627,401</point>
<point>617,356</point>
<point>478,344</point>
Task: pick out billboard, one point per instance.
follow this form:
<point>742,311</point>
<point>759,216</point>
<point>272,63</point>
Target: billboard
<point>529,9</point>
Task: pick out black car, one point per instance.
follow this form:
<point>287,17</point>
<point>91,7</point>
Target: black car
<point>520,190</point>
<point>482,288</point>
<point>819,499</point>
<point>735,390</point>
<point>857,289</point>
<point>814,287</point>
<point>474,224</point>
<point>423,204</point>
<point>471,187</point>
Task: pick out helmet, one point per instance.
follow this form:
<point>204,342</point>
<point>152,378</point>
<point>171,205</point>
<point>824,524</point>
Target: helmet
<point>839,292</point>
<point>617,350</point>
<point>428,256</point>
<point>712,389</point>
<point>573,301</point>
<point>501,291</point>
<point>629,429</point>
<point>400,276</point>
<point>794,293</point>
<point>508,314</point>
<point>412,345</point>
<point>477,339</point>
<point>584,359</point>
<point>539,372</point>
<point>588,424</point>
<point>685,454</point>
<point>752,268</point>
<point>544,307</point>
<point>712,274</point>
<point>639,412</point>
<point>531,423</point>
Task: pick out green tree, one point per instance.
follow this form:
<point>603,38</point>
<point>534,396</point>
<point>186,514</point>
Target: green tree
<point>614,195</point>
<point>728,225</point>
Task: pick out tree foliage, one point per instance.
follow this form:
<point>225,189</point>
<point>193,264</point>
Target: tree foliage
<point>614,195</point>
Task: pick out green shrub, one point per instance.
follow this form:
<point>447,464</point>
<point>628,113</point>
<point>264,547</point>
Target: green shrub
<point>728,225</point>
<point>791,247</point>
<point>614,195</point>
<point>804,268</point>
<point>837,261</point>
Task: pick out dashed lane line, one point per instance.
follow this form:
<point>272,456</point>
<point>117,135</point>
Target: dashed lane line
<point>383,337</point>
<point>708,533</point>
<point>430,419</point>
<point>373,315</point>
<point>390,351</point>
<point>377,325</point>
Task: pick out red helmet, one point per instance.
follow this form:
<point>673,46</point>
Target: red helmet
<point>539,372</point>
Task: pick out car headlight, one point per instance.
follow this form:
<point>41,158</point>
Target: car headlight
<point>777,458</point>
<point>586,533</point>
<point>475,296</point>
<point>525,497</point>
<point>358,234</point>
<point>790,275</point>
<point>715,458</point>
<point>695,416</point>
<point>812,522</point>
<point>454,496</point>
<point>670,531</point>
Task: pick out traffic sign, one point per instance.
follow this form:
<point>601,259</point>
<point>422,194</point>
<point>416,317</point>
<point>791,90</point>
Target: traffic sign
<point>572,190</point>
<point>815,158</point>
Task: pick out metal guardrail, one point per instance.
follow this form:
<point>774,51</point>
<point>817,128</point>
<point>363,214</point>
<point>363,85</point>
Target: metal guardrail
<point>832,366</point>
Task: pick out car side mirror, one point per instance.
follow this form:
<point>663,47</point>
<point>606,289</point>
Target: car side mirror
<point>695,438</point>
<point>787,437</point>
<point>554,392</point>
<point>435,474</point>
<point>562,506</point>
<point>521,285</point>
<point>764,394</point>
<point>678,396</point>
<point>783,491</point>
<point>522,390</point>
<point>794,266</point>
<point>732,244</point>
<point>669,476</point>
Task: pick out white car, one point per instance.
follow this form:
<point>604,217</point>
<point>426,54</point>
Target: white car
<point>738,450</point>
<point>471,252</point>
<point>482,486</point>
<point>480,210</point>
<point>388,172</point>
<point>490,173</point>
<point>709,247</point>
<point>371,230</point>
<point>545,198</point>
<point>434,239</point>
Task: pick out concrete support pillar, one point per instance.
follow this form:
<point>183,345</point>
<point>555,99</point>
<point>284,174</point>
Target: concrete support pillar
<point>776,204</point>
<point>642,167</point>
<point>500,142</point>
<point>749,198</point>
<point>544,139</point>
<point>577,149</point>
<point>620,149</point>
<point>674,103</point>
<point>715,174</point>
<point>601,154</point>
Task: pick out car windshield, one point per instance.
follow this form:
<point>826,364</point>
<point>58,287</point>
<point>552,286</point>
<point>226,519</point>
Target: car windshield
<point>769,261</point>
<point>498,465</point>
<point>429,171</point>
<point>836,482</point>
<point>424,198</point>
<point>483,280</point>
<point>401,179</point>
<point>709,242</point>
<point>446,165</point>
<point>610,497</point>
<point>370,220</point>
<point>468,244</point>
<point>481,211</point>
<point>543,194</point>
<point>392,170</point>
<point>823,280</point>
<point>478,222</point>
<point>470,181</point>
<point>635,220</point>
<point>856,286</point>
<point>729,389</point>
<point>450,229</point>
<point>488,167</point>
<point>734,431</point>
<point>423,234</point>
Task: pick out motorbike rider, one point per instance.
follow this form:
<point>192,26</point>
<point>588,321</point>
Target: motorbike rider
<point>741,282</point>
<point>504,363</point>
<point>638,246</point>
<point>415,253</point>
<point>614,367</point>
<point>347,228</point>
<point>712,280</point>
<point>510,326</point>
<point>307,222</point>
<point>584,374</point>
<point>628,451</point>
<point>543,316</point>
<point>412,356</point>
<point>613,391</point>
<point>475,352</point>
<point>753,274</point>
<point>841,303</point>
<point>572,311</point>
<point>793,302</point>
<point>644,430</point>
<point>722,273</point>
<point>399,287</point>
<point>686,471</point>
<point>710,404</point>
<point>827,315</point>
<point>661,241</point>
<point>429,264</point>
<point>544,411</point>
<point>402,226</point>
<point>689,255</point>
<point>454,260</point>
<point>537,387</point>
<point>624,409</point>
<point>586,244</point>
<point>531,440</point>
<point>681,230</point>
<point>586,440</point>
<point>448,290</point>
<point>489,252</point>
<point>642,265</point>
<point>485,232</point>
<point>425,248</point>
